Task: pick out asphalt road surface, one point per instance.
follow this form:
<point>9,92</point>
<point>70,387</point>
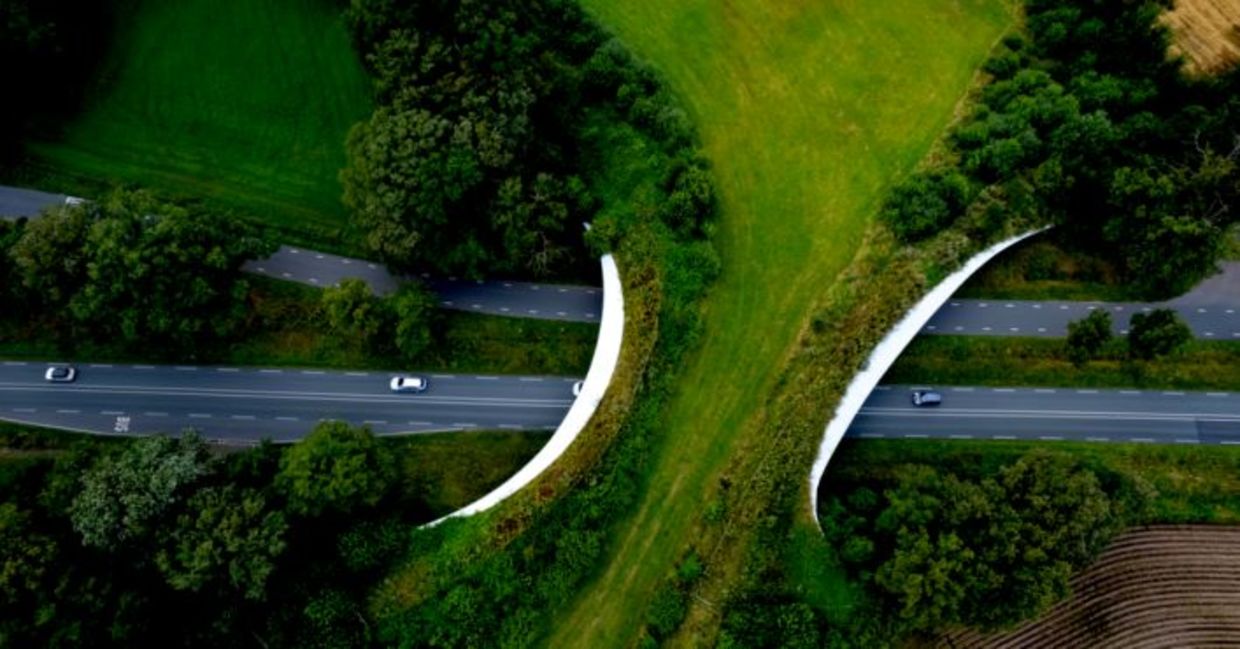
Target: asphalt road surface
<point>248,404</point>
<point>1050,319</point>
<point>515,299</point>
<point>1054,414</point>
<point>16,202</point>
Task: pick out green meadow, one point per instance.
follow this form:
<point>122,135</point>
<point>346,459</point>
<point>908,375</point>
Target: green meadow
<point>242,104</point>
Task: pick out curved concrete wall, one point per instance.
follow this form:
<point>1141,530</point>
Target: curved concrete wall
<point>886,353</point>
<point>602,366</point>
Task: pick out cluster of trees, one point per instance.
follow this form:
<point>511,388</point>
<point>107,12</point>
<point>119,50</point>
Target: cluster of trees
<point>161,542</point>
<point>1150,335</point>
<point>402,323</point>
<point>468,164</point>
<point>130,269</point>
<point>1088,124</point>
<point>941,549</point>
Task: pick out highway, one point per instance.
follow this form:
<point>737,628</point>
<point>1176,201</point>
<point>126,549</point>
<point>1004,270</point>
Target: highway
<point>1054,414</point>
<point>503,298</point>
<point>249,404</point>
<point>1044,318</point>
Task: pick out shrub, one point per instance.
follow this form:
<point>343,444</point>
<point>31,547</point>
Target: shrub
<point>1087,336</point>
<point>926,203</point>
<point>1157,333</point>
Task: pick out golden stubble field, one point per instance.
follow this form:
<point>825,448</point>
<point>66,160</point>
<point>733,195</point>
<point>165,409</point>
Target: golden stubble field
<point>1207,33</point>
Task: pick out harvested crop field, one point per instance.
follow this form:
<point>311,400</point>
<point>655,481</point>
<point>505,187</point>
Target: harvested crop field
<point>1158,586</point>
<point>1207,33</point>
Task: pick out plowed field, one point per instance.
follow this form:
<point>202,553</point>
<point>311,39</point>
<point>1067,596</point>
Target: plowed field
<point>1207,33</point>
<point>1161,586</point>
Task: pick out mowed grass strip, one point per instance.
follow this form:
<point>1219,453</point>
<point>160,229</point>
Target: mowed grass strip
<point>245,104</point>
<point>808,111</point>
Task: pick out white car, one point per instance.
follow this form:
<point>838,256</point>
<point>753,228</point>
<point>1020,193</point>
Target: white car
<point>577,388</point>
<point>409,384</point>
<point>61,374</point>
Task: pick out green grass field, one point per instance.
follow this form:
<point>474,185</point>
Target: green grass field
<point>244,104</point>
<point>808,111</point>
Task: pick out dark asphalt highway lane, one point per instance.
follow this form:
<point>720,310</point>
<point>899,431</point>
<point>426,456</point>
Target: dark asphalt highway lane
<point>1055,414</point>
<point>16,202</point>
<point>1050,319</point>
<point>515,299</point>
<point>248,404</point>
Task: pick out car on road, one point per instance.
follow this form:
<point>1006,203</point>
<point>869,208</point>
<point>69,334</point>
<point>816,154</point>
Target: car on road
<point>409,384</point>
<point>924,398</point>
<point>61,374</point>
<point>577,388</point>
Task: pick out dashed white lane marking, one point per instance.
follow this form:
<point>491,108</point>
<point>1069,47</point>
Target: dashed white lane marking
<point>357,373</point>
<point>446,303</point>
<point>983,305</point>
<point>1005,389</point>
<point>1174,394</point>
<point>1008,437</point>
<point>1042,330</point>
<point>294,251</point>
<point>287,419</point>
<point>319,257</point>
<point>286,274</point>
<point>1231,310</point>
<point>314,280</point>
<point>1097,439</point>
<point>374,422</point>
<point>1186,441</point>
<point>535,287</point>
<point>1063,307</point>
<point>1051,438</point>
<point>1147,309</point>
<point>25,410</point>
<point>915,436</point>
<point>155,414</point>
<point>420,423</point>
<point>1037,306</point>
<point>271,371</point>
<point>1044,390</point>
<point>112,412</point>
<point>100,365</point>
<point>1209,334</point>
<point>985,328</point>
<point>476,306</point>
<point>590,315</point>
<point>1230,442</point>
<point>1201,310</point>
<point>227,369</point>
<point>1130,392</point>
<point>1143,440</point>
<point>243,417</point>
<point>346,261</point>
<point>561,313</point>
<point>1087,392</point>
<point>1123,332</point>
<point>530,379</point>
<point>563,290</point>
<point>313,372</point>
<point>507,284</point>
<point>15,363</point>
<point>487,378</point>
<point>882,387</point>
<point>1091,307</point>
<point>261,269</point>
<point>532,311</point>
<point>465,425</point>
<point>962,389</point>
<point>931,327</point>
<point>1216,394</point>
<point>872,435</point>
<point>959,328</point>
<point>1119,308</point>
<point>1009,305</point>
<point>504,309</point>
<point>372,266</point>
<point>960,436</point>
<point>1013,328</point>
<point>68,411</point>
<point>443,376</point>
<point>510,426</point>
<point>144,367</point>
<point>199,415</point>
<point>186,368</point>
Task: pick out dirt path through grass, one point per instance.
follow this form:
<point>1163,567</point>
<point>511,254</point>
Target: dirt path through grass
<point>808,112</point>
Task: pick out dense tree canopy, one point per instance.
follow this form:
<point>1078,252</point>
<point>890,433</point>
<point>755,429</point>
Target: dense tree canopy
<point>1135,162</point>
<point>134,269</point>
<point>336,468</point>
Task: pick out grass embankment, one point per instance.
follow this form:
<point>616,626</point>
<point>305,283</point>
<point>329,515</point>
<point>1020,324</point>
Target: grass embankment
<point>286,329</point>
<point>1194,484</point>
<point>807,113</point>
<point>243,104</point>
<point>1040,269</point>
<point>977,360</point>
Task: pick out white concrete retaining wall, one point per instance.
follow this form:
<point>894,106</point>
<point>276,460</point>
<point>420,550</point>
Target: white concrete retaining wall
<point>602,366</point>
<point>886,353</point>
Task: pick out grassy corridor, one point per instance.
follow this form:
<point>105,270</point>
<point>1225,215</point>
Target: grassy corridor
<point>245,104</point>
<point>808,111</point>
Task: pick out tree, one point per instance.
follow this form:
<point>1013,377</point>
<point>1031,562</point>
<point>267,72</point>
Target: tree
<point>926,203</point>
<point>227,537</point>
<point>1087,336</point>
<point>354,312</point>
<point>414,309</point>
<point>123,497</point>
<point>335,469</point>
<point>1157,333</point>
